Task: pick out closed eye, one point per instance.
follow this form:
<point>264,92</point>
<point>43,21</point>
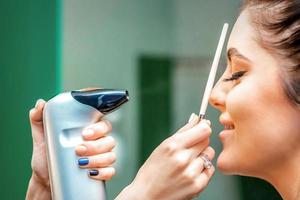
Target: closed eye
<point>235,76</point>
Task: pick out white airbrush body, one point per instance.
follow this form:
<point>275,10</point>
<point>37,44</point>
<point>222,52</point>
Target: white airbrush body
<point>64,119</point>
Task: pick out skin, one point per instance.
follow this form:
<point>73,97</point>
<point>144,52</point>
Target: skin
<point>174,170</point>
<point>265,140</point>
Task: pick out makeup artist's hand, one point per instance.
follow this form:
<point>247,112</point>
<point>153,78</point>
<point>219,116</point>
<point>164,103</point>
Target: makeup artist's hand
<point>95,152</point>
<point>174,170</point>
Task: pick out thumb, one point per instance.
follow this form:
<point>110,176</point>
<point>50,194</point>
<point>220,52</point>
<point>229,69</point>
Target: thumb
<point>36,121</point>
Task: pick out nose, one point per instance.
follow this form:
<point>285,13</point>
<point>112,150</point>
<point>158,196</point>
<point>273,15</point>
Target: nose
<point>218,96</point>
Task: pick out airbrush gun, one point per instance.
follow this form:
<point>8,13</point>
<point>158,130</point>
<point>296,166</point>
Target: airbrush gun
<point>65,116</point>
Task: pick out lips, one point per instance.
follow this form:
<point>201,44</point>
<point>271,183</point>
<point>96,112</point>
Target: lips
<point>228,124</point>
<point>228,127</point>
<point>226,134</point>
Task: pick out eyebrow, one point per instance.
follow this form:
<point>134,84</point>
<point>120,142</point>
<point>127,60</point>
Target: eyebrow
<point>233,52</point>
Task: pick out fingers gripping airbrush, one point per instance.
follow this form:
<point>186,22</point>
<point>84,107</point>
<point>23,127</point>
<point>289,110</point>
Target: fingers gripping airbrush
<point>65,116</point>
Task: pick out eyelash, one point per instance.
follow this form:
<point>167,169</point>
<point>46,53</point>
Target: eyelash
<point>235,76</point>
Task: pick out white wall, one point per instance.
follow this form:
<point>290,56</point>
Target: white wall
<point>198,23</point>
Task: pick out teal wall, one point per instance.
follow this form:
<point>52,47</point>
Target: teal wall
<point>29,69</point>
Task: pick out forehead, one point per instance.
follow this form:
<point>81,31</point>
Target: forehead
<point>243,36</point>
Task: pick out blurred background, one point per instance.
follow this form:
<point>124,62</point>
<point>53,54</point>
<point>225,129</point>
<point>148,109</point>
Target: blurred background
<point>160,50</point>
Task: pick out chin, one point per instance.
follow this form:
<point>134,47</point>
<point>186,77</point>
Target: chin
<point>230,164</point>
<point>226,164</point>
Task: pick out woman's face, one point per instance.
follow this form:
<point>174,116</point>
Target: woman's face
<point>261,128</point>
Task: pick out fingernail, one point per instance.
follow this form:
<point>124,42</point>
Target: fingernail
<point>37,103</point>
<point>81,148</point>
<point>208,122</point>
<point>83,161</point>
<point>93,172</point>
<point>205,121</point>
<point>88,132</point>
<point>193,117</point>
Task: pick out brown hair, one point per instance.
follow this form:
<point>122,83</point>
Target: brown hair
<point>278,26</point>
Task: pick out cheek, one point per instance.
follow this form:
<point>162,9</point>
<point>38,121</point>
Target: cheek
<point>258,109</point>
<point>242,106</point>
<point>243,102</point>
<point>256,103</point>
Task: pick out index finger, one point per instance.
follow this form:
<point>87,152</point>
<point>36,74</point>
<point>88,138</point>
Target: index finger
<point>194,135</point>
<point>97,130</point>
<point>194,119</point>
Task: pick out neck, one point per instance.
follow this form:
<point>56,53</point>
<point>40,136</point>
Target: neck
<point>286,177</point>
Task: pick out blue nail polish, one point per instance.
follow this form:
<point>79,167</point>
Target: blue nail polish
<point>83,161</point>
<point>94,172</point>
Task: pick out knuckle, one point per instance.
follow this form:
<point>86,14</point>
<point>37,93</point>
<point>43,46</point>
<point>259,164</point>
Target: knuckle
<point>30,112</point>
<point>190,176</point>
<point>211,150</point>
<point>199,186</point>
<point>99,148</point>
<point>111,140</point>
<point>213,170</point>
<point>206,142</point>
<point>205,128</point>
<point>170,147</point>
<point>106,177</point>
<point>112,157</point>
<point>103,144</point>
<point>104,160</point>
<point>94,146</point>
<point>113,172</point>
<point>108,173</point>
<point>107,125</point>
<point>181,160</point>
